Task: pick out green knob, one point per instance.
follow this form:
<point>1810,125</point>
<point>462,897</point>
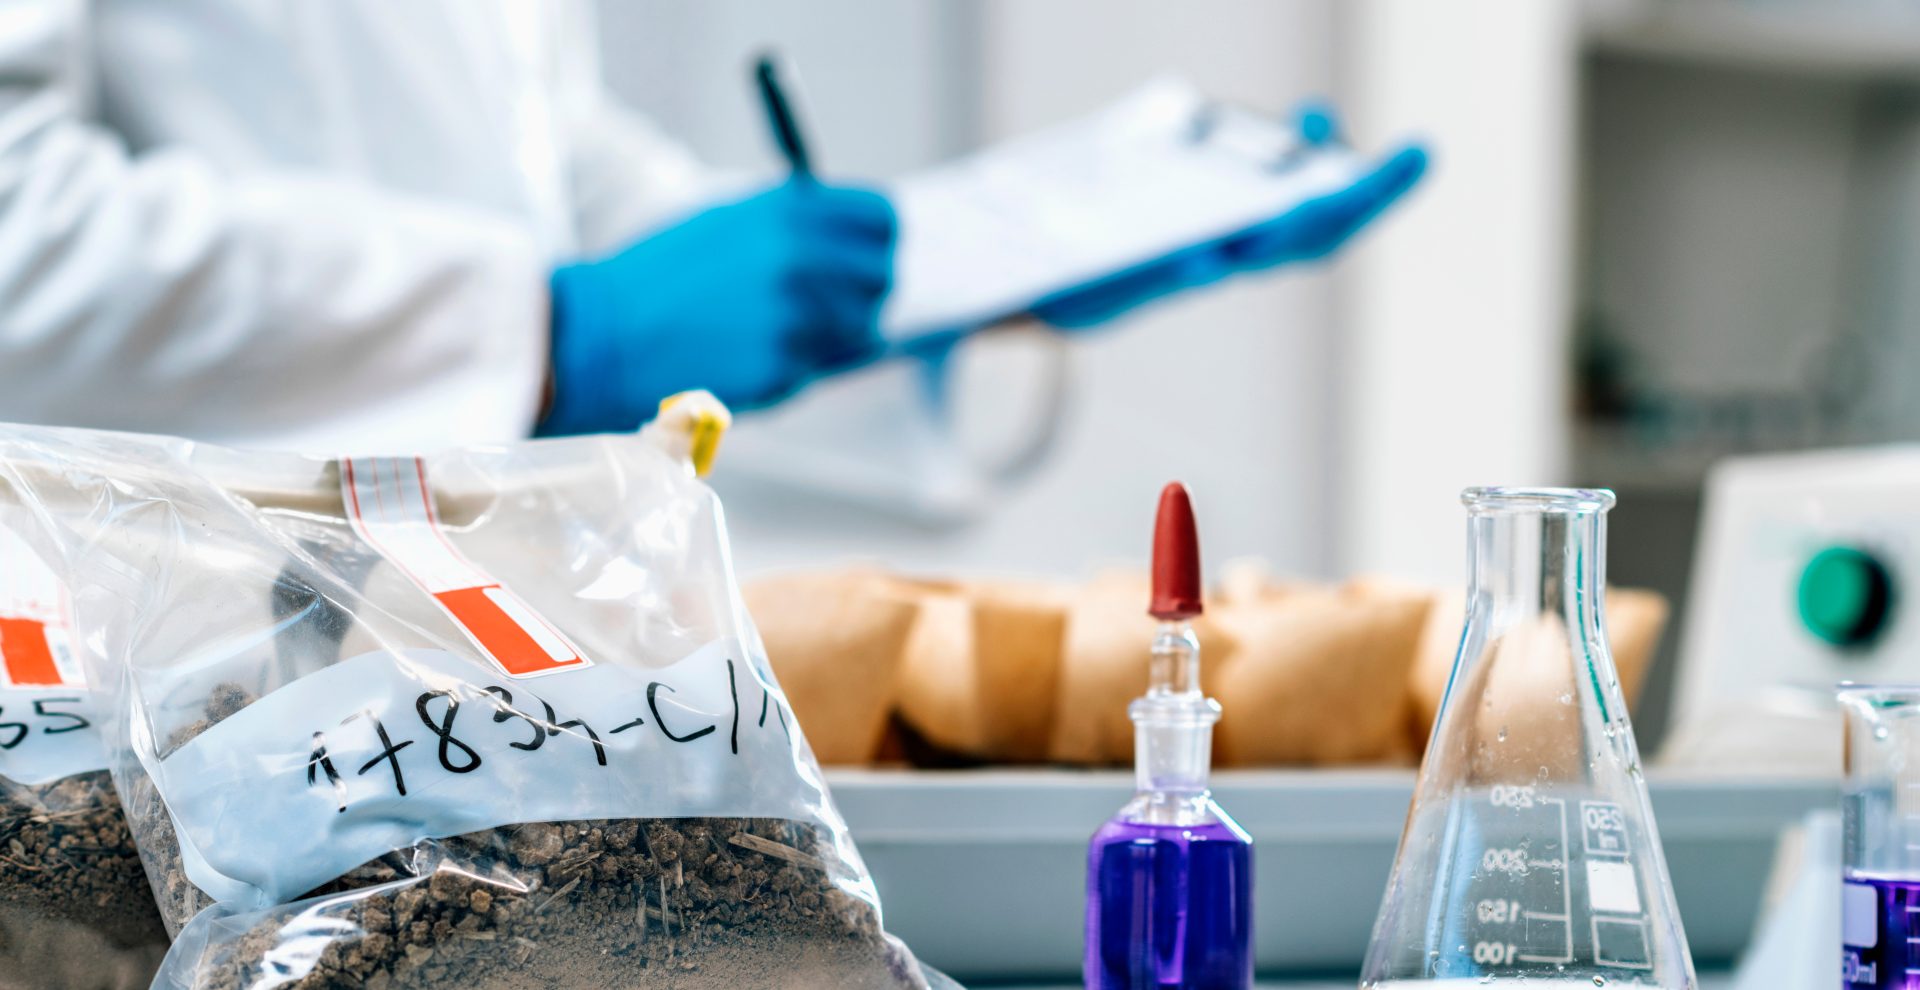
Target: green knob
<point>1846,596</point>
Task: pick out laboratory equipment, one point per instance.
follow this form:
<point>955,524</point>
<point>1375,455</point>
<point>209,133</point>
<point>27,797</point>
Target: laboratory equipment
<point>1880,844</point>
<point>1530,852</point>
<point>1803,578</point>
<point>1170,877</point>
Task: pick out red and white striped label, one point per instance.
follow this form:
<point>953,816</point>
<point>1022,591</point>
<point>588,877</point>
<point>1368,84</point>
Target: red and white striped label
<point>34,609</point>
<point>391,507</point>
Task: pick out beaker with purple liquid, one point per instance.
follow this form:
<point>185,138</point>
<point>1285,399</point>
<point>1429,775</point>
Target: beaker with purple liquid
<point>1880,893</point>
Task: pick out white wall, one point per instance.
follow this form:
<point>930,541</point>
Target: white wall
<point>888,86</point>
<point>1455,368</point>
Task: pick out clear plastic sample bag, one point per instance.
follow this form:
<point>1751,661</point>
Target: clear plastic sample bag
<point>75,913</point>
<point>493,718</point>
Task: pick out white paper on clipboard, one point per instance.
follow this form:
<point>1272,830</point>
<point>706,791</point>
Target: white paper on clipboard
<point>985,237</point>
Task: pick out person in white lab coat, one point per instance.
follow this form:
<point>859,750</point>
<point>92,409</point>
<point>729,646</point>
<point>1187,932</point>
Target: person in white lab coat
<point>359,224</point>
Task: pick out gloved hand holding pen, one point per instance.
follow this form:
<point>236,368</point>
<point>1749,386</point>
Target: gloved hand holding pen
<point>749,301</point>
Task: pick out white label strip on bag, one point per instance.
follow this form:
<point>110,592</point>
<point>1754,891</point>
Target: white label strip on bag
<point>391,507</point>
<point>46,713</point>
<point>384,749</point>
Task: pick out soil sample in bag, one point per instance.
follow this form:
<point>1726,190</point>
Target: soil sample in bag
<point>491,719</point>
<point>75,909</point>
<point>76,912</point>
<point>684,903</point>
<point>691,903</point>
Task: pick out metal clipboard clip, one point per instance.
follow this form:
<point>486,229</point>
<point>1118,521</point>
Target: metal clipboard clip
<point>1260,138</point>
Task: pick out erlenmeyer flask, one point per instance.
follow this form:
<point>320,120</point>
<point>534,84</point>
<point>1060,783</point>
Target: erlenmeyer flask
<point>1530,852</point>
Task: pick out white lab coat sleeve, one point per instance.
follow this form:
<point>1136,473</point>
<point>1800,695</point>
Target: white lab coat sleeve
<point>627,177</point>
<point>156,293</point>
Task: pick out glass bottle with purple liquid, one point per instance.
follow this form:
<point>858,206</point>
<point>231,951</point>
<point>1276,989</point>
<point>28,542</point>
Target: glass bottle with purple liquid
<point>1170,878</point>
<point>1880,893</point>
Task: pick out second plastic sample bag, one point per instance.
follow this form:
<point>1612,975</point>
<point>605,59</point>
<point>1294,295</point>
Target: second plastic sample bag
<point>494,718</point>
<point>75,913</point>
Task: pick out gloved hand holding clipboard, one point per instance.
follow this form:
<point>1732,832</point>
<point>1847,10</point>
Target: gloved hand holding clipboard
<point>1070,227</point>
<point>1161,191</point>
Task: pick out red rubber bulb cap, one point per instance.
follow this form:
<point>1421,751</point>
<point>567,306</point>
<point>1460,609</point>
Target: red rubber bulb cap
<point>1176,558</point>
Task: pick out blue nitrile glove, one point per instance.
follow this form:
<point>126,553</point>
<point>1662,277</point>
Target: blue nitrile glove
<point>1313,229</point>
<point>749,301</point>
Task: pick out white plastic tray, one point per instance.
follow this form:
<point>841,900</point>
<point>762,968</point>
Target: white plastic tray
<point>982,872</point>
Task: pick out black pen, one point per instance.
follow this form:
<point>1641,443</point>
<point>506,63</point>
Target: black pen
<point>786,130</point>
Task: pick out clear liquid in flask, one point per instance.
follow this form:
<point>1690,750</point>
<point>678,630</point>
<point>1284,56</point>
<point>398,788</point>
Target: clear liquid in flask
<point>1530,853</point>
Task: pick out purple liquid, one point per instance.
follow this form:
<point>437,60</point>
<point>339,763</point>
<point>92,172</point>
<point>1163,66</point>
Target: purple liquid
<point>1891,962</point>
<point>1169,907</point>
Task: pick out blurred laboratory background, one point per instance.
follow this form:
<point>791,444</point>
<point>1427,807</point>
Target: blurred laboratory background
<point>1663,243</point>
<point>1669,248</point>
<point>1290,375</point>
<point>1656,234</point>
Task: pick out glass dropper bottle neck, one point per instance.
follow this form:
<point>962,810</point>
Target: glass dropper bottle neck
<point>1172,732</point>
<point>1174,672</point>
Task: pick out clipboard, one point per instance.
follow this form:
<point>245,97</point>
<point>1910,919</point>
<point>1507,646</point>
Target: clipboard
<point>985,237</point>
